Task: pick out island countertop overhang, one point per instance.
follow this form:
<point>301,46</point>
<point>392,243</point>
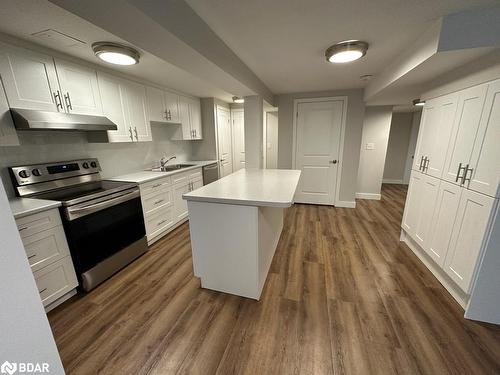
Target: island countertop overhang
<point>251,187</point>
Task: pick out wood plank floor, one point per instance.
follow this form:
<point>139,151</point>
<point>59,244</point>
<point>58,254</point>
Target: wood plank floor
<point>344,296</point>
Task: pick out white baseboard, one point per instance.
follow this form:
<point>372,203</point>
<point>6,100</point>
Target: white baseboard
<point>459,296</point>
<point>346,204</point>
<point>392,181</point>
<point>368,196</point>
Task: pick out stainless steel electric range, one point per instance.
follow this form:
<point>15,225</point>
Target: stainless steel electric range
<point>102,219</point>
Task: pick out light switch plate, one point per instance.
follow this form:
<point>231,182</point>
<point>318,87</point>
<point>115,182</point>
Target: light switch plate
<point>370,146</point>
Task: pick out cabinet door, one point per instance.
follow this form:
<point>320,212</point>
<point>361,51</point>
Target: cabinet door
<point>113,102</point>
<point>29,79</point>
<point>439,134</point>
<point>196,183</point>
<point>184,119</point>
<point>195,118</point>
<point>412,205</point>
<point>156,104</point>
<point>468,232</point>
<point>426,203</point>
<point>442,222</point>
<point>172,107</point>
<point>427,123</point>
<point>137,111</point>
<point>180,205</point>
<point>485,160</point>
<point>8,134</point>
<point>465,128</point>
<point>79,89</point>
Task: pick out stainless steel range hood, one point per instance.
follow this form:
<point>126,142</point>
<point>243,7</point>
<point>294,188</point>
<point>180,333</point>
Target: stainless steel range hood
<point>29,119</point>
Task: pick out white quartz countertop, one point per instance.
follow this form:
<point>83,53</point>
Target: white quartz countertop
<point>251,187</point>
<point>146,176</point>
<point>26,206</point>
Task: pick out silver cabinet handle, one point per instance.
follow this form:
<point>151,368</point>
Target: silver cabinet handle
<point>195,135</point>
<point>156,185</point>
<point>136,136</point>
<point>460,167</point>
<point>57,98</point>
<point>426,163</point>
<point>169,115</point>
<point>421,161</point>
<point>161,222</point>
<point>32,256</point>
<point>43,290</point>
<point>159,201</point>
<point>465,178</point>
<point>22,228</point>
<point>67,100</point>
<point>131,136</point>
<point>333,161</point>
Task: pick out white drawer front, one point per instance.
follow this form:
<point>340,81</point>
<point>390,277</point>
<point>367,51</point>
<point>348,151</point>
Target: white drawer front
<point>55,280</point>
<point>46,247</point>
<point>159,221</point>
<point>196,175</point>
<point>39,222</point>
<point>180,178</point>
<point>152,202</point>
<point>155,186</point>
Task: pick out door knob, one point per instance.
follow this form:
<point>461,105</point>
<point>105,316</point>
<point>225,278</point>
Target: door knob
<point>333,161</point>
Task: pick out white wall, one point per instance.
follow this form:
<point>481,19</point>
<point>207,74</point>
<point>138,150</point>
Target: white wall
<point>25,330</point>
<point>376,127</point>
<point>412,145</point>
<point>115,158</point>
<point>397,148</point>
<point>271,140</point>
<point>352,140</point>
<point>254,131</point>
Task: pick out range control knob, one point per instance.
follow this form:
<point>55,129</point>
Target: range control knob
<point>36,172</point>
<point>93,164</point>
<point>85,165</point>
<point>24,173</point>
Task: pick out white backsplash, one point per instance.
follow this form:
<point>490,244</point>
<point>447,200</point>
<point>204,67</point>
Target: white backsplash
<point>115,158</point>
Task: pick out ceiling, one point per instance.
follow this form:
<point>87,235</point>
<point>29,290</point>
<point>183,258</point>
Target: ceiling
<point>283,41</point>
<point>21,18</point>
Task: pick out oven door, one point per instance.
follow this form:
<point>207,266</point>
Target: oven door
<point>99,229</point>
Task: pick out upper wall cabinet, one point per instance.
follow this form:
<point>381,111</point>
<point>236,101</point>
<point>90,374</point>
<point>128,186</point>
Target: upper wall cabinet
<point>79,89</point>
<point>163,106</point>
<point>190,118</point>
<point>136,105</point>
<point>8,135</point>
<point>29,79</point>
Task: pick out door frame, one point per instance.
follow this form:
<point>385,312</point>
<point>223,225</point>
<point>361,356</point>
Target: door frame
<point>344,99</point>
<point>232,112</point>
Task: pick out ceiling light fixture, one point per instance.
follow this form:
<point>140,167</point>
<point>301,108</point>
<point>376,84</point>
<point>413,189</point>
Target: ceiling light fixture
<point>238,100</point>
<point>115,53</point>
<point>346,51</point>
<point>419,102</point>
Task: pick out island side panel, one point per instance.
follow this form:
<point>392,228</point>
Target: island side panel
<point>270,227</point>
<point>225,247</point>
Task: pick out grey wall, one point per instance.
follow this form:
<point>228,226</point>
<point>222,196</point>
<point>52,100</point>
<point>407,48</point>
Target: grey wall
<point>352,140</point>
<point>26,334</point>
<point>397,148</point>
<point>376,127</point>
<point>115,158</point>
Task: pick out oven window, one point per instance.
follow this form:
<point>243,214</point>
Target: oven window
<point>95,237</point>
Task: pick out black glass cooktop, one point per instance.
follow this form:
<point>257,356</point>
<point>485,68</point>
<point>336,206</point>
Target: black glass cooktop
<point>83,192</point>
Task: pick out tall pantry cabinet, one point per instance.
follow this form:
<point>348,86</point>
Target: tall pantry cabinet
<point>454,185</point>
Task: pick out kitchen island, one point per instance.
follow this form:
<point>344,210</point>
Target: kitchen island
<point>235,225</point>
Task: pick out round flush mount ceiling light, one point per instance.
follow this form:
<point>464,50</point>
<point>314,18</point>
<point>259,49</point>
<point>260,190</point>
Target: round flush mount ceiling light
<point>346,51</point>
<point>419,102</point>
<point>115,53</point>
<point>238,100</point>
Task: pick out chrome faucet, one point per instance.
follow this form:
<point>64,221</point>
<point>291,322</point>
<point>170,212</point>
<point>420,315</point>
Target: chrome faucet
<point>163,161</point>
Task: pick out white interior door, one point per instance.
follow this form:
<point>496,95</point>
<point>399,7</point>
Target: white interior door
<point>224,141</point>
<point>318,136</point>
<point>238,140</point>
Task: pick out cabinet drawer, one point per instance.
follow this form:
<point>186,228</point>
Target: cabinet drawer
<point>46,247</point>
<point>39,222</point>
<point>158,221</point>
<point>55,280</point>
<point>155,186</point>
<point>196,175</point>
<point>181,178</point>
<point>155,201</point>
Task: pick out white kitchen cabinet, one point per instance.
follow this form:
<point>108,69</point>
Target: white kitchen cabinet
<point>156,104</point>
<point>8,134</point>
<point>465,128</point>
<point>114,104</point>
<point>484,173</point>
<point>180,205</point>
<point>195,118</point>
<point>79,88</point>
<point>443,220</point>
<point>430,117</point>
<point>172,107</point>
<point>428,194</point>
<point>471,224</point>
<point>190,119</point>
<point>412,206</point>
<point>136,108</point>
<point>29,79</point>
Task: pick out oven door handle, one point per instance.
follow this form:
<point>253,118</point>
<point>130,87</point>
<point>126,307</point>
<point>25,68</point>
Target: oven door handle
<point>74,213</point>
